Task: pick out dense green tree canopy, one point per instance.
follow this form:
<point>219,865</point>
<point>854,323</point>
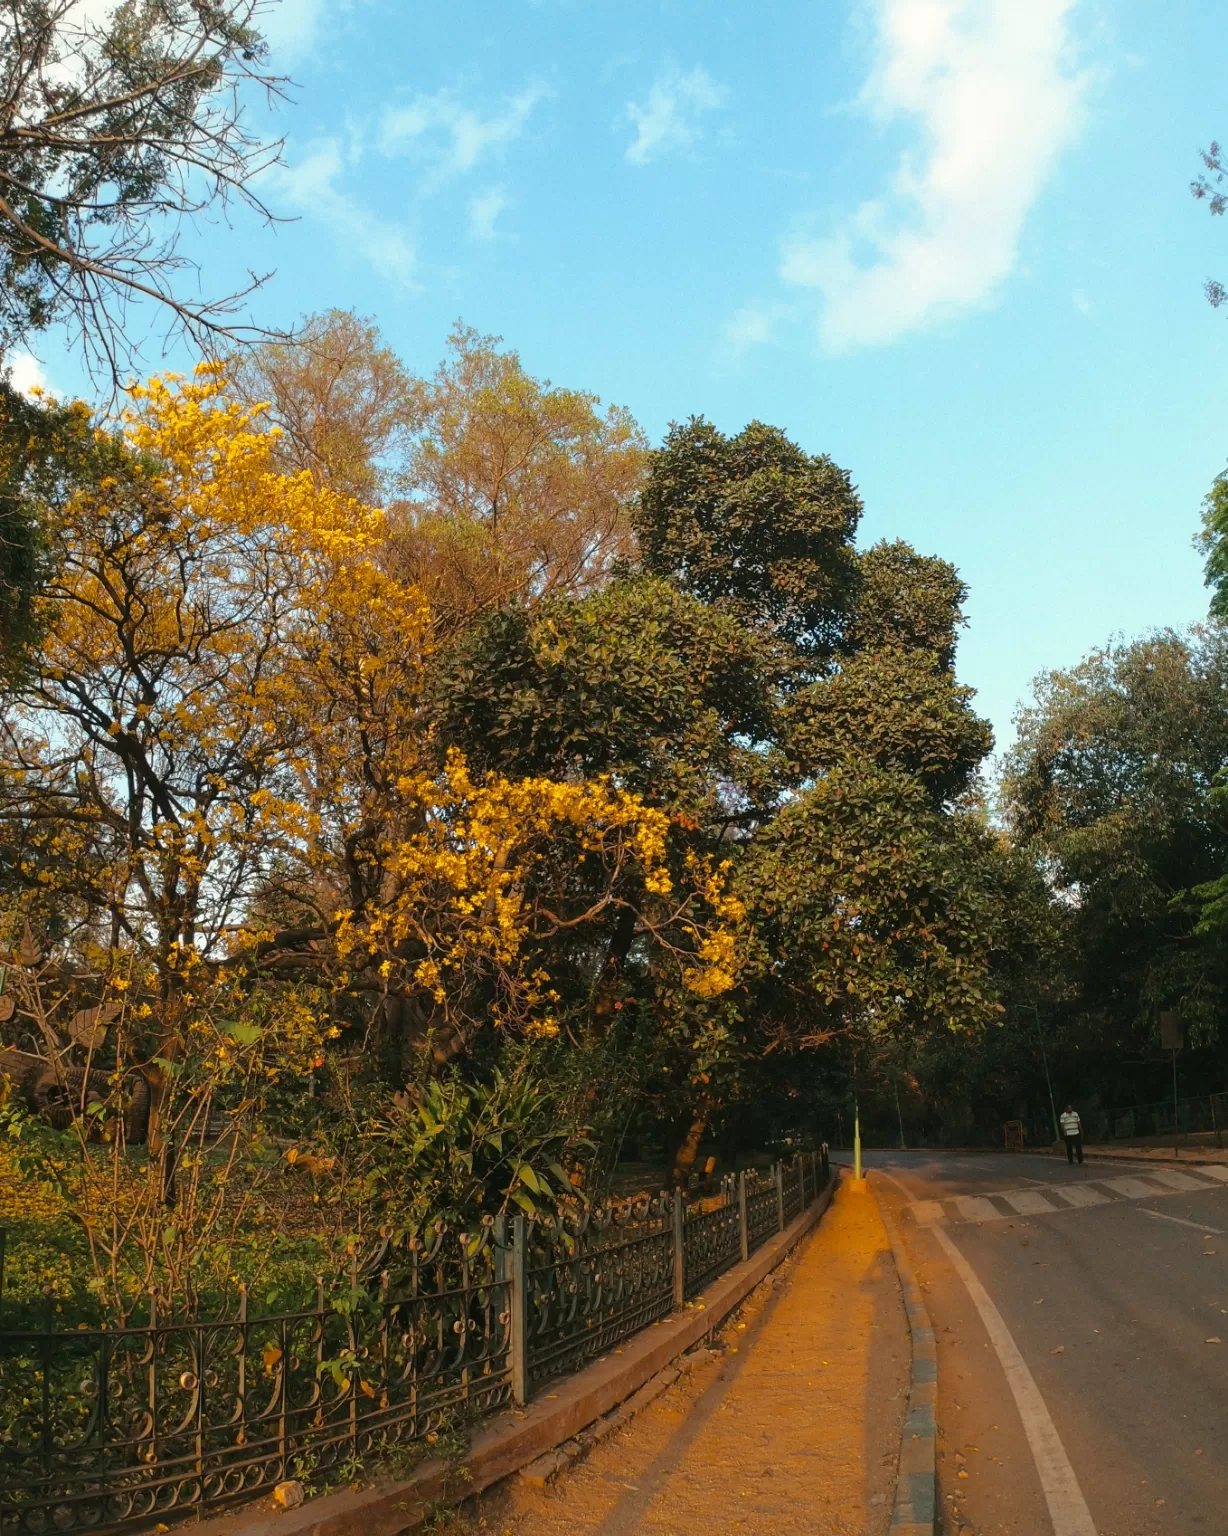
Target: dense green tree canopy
<point>907,601</point>
<point>897,708</point>
<point>1111,784</point>
<point>641,681</point>
<point>756,525</point>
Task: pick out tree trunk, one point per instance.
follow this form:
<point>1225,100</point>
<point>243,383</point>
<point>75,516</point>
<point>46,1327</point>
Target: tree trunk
<point>684,1159</point>
<point>609,986</point>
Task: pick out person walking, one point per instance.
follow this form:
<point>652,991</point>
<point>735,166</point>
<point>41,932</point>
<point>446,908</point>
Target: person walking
<point>1072,1133</point>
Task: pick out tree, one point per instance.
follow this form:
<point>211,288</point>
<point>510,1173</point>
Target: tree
<point>342,402</point>
<point>893,699</point>
<point>897,709</point>
<point>1111,784</point>
<point>671,697</point>
<point>872,914</point>
<point>1206,188</point>
<point>514,490</point>
<point>117,123</point>
<point>45,448</point>
<point>756,525</point>
<point>220,760</point>
<point>907,601</point>
<point>1214,542</point>
<point>836,800</point>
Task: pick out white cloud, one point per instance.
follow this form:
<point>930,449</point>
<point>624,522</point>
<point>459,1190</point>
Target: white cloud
<point>25,372</point>
<point>669,117</point>
<point>311,186</point>
<point>997,98</point>
<point>453,137</point>
<point>754,325</point>
<point>289,27</point>
<point>483,211</point>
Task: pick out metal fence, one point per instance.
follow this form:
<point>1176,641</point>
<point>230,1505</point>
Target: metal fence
<point>1206,1112</point>
<point>107,1430</point>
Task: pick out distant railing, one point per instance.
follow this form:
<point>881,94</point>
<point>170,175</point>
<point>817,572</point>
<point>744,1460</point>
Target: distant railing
<point>1194,1116</point>
<point>110,1430</point>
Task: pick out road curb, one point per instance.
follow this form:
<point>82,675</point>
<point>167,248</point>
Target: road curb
<point>1191,1158</point>
<point>514,1439</point>
<point>916,1490</point>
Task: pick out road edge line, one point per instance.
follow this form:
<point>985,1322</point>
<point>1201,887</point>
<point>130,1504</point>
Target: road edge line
<point>916,1489</point>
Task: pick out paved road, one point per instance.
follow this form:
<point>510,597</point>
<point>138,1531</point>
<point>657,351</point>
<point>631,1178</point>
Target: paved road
<point>1082,1389</point>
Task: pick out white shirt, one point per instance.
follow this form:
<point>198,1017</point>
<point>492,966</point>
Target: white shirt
<point>1071,1124</point>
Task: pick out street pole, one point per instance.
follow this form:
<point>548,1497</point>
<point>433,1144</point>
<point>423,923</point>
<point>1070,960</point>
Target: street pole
<point>899,1116</point>
<point>1057,1135</point>
<point>1172,1038</point>
<point>856,1140</point>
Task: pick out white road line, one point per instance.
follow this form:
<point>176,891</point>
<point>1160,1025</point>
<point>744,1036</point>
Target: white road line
<point>1067,1507</point>
<point>1197,1225</point>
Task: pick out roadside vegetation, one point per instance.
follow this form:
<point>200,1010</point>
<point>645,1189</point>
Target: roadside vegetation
<point>421,795</point>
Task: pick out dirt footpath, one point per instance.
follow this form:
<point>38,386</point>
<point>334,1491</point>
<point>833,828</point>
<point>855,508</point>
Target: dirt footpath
<point>790,1424</point>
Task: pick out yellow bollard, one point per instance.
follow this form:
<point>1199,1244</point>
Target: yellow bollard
<point>858,1181</point>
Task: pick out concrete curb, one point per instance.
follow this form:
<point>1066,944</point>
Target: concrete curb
<point>916,1490</point>
<point>515,1438</point>
<point>1192,1157</point>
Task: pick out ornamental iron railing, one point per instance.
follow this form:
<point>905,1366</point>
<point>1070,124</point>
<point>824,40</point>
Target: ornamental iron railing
<point>711,1243</point>
<point>590,1286</point>
<point>116,1430</point>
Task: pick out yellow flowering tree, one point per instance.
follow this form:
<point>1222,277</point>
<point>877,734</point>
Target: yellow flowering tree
<point>219,773</point>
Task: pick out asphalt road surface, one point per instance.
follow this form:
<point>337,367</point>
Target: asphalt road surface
<point>1082,1323</point>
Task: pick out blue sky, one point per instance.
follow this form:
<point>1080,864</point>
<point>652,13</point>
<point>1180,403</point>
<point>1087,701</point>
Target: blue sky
<point>949,242</point>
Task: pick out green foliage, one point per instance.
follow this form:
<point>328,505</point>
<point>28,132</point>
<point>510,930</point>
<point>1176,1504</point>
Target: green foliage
<point>1214,542</point>
<point>46,451</point>
<point>907,601</point>
<point>1112,784</point>
<point>898,708</point>
<point>640,681</point>
<point>875,911</point>
<point>753,524</point>
<point>458,1150</point>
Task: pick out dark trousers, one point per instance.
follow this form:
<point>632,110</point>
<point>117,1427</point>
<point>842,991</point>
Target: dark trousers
<point>1074,1144</point>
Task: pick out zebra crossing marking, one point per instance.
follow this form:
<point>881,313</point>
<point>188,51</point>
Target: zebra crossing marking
<point>1083,1195</point>
<point>977,1208</point>
<point>1003,1204</point>
<point>1029,1202</point>
<point>1175,1180</point>
<point>927,1212</point>
<point>1133,1189</point>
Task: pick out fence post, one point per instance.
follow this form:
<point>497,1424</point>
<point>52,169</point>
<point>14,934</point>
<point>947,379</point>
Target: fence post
<point>679,1249</point>
<point>743,1229</point>
<point>780,1195</point>
<point>518,1303</point>
<point>826,1165</point>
